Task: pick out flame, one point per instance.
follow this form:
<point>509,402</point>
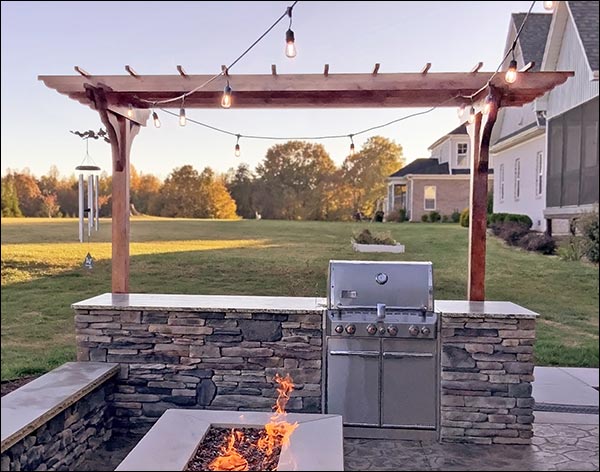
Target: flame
<point>230,458</point>
<point>278,430</point>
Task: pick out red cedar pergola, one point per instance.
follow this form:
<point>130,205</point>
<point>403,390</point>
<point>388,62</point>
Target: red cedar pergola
<point>111,96</point>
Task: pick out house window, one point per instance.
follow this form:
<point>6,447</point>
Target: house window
<point>462,156</point>
<point>517,178</point>
<point>430,191</point>
<point>501,182</point>
<point>539,174</point>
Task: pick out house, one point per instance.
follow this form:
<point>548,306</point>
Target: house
<point>519,136</point>
<point>439,183</point>
<point>572,113</point>
<point>546,152</point>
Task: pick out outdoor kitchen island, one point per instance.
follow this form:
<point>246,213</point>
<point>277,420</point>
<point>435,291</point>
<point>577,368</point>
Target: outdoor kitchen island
<point>222,352</point>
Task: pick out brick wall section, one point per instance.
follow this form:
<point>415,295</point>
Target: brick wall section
<point>183,359</point>
<point>67,439</point>
<point>487,370</point>
<point>450,195</point>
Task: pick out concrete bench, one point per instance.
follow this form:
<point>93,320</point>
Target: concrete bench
<point>54,420</point>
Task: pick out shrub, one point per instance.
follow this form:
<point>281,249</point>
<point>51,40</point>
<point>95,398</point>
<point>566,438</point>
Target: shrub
<point>424,217</point>
<point>588,226</point>
<point>538,242</point>
<point>516,218</point>
<point>490,202</point>
<point>572,250</point>
<point>434,216</point>
<point>512,232</point>
<point>445,219</point>
<point>496,218</point>
<point>455,216</point>
<point>366,237</point>
<point>464,218</point>
<point>398,215</point>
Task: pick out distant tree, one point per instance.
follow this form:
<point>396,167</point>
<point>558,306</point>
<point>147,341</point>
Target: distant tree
<point>222,205</point>
<point>28,193</point>
<point>242,187</point>
<point>294,179</point>
<point>10,202</point>
<point>49,205</point>
<point>366,171</point>
<point>143,188</point>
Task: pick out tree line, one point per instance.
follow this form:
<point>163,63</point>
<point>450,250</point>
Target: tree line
<point>295,180</point>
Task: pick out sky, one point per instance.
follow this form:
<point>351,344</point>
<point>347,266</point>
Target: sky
<point>49,38</point>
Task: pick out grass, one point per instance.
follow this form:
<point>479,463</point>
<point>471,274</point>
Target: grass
<point>42,276</point>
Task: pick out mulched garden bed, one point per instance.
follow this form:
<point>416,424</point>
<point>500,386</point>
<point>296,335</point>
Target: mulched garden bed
<point>216,439</point>
<point>10,385</point>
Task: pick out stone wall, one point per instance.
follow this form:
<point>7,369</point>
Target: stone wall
<point>68,438</point>
<point>206,360</point>
<point>487,370</point>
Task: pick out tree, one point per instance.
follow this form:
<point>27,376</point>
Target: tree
<point>293,181</point>
<point>10,202</point>
<point>366,172</point>
<point>222,205</point>
<point>242,187</point>
<point>28,193</point>
<point>49,205</point>
<point>144,188</point>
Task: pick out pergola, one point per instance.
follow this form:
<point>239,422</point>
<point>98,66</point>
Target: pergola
<point>112,95</point>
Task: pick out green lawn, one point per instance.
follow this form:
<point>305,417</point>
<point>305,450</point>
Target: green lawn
<point>42,276</point>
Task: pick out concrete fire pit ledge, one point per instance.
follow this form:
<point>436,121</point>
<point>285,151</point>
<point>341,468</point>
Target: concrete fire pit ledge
<point>486,372</point>
<point>316,444</point>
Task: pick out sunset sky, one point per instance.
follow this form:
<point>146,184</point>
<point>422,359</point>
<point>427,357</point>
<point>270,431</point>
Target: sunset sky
<point>45,38</point>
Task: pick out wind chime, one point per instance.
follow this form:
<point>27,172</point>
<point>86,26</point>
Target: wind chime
<point>89,180</point>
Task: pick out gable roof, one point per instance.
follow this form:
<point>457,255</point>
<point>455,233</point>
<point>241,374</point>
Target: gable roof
<point>532,40</point>
<point>585,15</point>
<point>423,166</point>
<point>459,130</point>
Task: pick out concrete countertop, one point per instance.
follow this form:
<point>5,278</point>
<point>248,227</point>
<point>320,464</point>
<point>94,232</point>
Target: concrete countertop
<point>222,303</point>
<point>241,303</point>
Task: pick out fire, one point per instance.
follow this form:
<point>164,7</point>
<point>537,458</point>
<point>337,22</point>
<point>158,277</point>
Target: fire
<point>278,430</point>
<point>276,434</point>
<point>230,458</point>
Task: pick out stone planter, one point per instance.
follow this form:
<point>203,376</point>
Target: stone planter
<point>396,248</point>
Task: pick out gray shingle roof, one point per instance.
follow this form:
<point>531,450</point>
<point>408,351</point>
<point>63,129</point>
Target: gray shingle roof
<point>533,37</point>
<point>585,15</point>
<point>423,166</point>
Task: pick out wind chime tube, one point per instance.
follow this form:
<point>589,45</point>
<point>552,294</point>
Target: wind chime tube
<point>96,199</point>
<point>90,188</point>
<point>80,208</point>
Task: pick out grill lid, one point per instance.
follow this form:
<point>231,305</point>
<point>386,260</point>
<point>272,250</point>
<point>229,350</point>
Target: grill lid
<point>401,285</point>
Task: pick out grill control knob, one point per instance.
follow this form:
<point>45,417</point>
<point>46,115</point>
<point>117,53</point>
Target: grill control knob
<point>339,329</point>
<point>371,329</point>
<point>382,330</point>
<point>413,330</point>
<point>351,329</point>
<point>425,331</point>
<point>392,330</point>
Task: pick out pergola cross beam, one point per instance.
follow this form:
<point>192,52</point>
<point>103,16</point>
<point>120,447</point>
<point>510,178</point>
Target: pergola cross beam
<point>112,96</point>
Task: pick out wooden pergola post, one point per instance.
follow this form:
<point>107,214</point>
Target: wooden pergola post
<point>121,131</point>
<point>480,152</point>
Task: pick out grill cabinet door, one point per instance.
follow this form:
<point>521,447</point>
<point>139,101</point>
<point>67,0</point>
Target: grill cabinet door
<point>409,386</point>
<point>353,380</point>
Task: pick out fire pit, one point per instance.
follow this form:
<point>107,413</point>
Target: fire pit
<point>317,442</point>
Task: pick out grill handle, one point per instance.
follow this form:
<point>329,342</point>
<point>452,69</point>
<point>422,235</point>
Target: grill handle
<point>355,353</point>
<point>400,355</point>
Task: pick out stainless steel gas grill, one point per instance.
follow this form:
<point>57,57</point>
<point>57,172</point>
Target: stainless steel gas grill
<point>381,349</point>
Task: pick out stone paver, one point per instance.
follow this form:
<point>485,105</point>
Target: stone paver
<point>555,447</point>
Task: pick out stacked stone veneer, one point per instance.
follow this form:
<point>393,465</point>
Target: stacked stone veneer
<point>68,438</point>
<point>487,370</point>
<point>194,359</point>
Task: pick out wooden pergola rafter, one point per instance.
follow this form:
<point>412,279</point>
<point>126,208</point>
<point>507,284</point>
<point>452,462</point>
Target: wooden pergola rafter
<point>112,95</point>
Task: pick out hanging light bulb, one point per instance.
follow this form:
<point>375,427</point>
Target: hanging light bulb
<point>461,111</point>
<point>237,147</point>
<point>511,73</point>
<point>548,5</point>
<point>472,115</point>
<point>182,119</point>
<point>130,111</point>
<point>351,146</point>
<point>290,41</point>
<point>489,103</point>
<point>156,120</point>
<point>226,99</point>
